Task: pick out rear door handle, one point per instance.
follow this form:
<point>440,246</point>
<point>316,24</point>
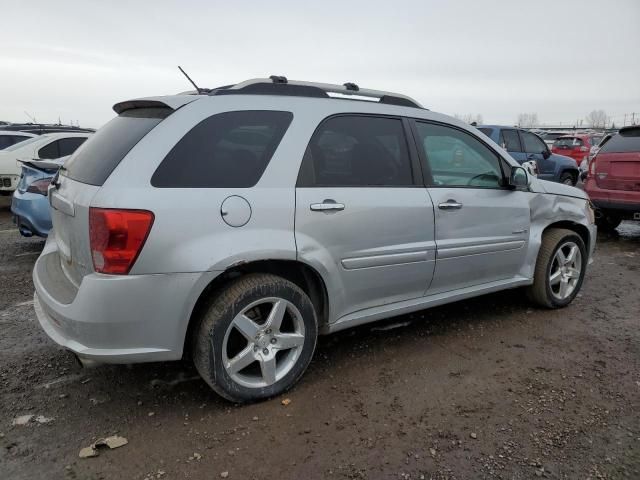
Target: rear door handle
<point>450,205</point>
<point>327,206</point>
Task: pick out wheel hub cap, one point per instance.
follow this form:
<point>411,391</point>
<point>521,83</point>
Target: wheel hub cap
<point>566,269</point>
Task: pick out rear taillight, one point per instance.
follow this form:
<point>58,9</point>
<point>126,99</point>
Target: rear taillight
<point>39,186</point>
<point>592,166</point>
<point>117,237</point>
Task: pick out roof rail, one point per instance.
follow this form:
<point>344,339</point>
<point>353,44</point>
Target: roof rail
<point>279,85</point>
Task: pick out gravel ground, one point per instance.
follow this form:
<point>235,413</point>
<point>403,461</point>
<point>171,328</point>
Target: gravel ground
<point>486,388</point>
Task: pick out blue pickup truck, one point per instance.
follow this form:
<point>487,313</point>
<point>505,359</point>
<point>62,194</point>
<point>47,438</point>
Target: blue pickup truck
<point>525,146</point>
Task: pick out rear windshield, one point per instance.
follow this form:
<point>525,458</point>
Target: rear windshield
<point>569,142</point>
<point>94,161</point>
<point>623,142</point>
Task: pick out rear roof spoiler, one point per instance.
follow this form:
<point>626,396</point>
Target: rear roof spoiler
<point>173,102</point>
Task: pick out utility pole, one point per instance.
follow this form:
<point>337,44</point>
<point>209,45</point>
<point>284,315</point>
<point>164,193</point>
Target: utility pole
<point>633,118</point>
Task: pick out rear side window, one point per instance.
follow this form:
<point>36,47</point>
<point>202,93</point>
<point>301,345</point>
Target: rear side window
<point>487,131</point>
<point>50,150</point>
<point>357,151</point>
<point>510,141</point>
<point>69,145</point>
<point>104,150</point>
<point>229,150</point>
<point>624,142</point>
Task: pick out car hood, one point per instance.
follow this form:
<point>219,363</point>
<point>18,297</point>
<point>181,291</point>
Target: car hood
<point>554,188</point>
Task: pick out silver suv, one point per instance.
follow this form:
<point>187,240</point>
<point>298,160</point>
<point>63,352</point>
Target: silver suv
<point>234,225</point>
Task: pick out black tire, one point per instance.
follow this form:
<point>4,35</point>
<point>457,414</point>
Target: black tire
<point>608,222</point>
<point>568,178</point>
<point>540,292</point>
<point>208,337</point>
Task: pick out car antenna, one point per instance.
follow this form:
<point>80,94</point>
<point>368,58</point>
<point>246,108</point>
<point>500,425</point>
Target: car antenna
<point>198,89</point>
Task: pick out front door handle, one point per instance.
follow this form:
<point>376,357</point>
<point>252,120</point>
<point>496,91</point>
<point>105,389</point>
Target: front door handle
<point>531,156</point>
<point>450,205</point>
<point>327,206</point>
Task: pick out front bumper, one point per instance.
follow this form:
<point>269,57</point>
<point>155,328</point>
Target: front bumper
<point>116,319</point>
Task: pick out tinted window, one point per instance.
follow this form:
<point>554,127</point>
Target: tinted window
<point>16,146</point>
<point>458,159</point>
<point>532,144</point>
<point>510,141</point>
<point>50,150</point>
<point>568,143</point>
<point>625,141</point>
<point>5,141</point>
<point>357,151</point>
<point>486,131</point>
<point>101,154</point>
<point>230,149</point>
<point>69,145</point>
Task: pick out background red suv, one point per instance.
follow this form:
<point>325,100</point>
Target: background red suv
<point>575,146</point>
<point>613,181</point>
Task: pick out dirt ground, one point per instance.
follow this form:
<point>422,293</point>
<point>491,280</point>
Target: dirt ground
<point>486,388</point>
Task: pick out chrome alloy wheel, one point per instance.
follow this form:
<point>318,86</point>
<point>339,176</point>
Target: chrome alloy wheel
<point>565,270</point>
<point>263,342</point>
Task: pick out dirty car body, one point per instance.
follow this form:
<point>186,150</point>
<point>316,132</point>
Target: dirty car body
<point>344,211</point>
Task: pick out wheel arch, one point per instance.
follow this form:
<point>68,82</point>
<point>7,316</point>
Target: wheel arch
<point>299,273</point>
<point>580,229</point>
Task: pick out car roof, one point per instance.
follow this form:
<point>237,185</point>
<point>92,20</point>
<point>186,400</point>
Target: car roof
<point>18,133</point>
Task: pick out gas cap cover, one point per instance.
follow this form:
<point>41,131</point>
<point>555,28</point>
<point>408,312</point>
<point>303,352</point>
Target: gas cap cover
<point>235,211</point>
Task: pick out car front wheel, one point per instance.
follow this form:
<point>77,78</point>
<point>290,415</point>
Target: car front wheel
<point>560,268</point>
<point>256,338</point>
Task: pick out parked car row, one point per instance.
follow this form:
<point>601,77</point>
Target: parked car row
<point>307,214</point>
<point>525,146</point>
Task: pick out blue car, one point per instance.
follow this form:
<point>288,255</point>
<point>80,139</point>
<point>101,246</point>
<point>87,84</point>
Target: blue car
<point>525,146</point>
<point>30,203</point>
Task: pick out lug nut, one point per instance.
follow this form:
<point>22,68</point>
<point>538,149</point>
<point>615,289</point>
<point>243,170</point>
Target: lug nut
<point>273,340</point>
<point>265,351</point>
<point>255,348</point>
<point>268,331</point>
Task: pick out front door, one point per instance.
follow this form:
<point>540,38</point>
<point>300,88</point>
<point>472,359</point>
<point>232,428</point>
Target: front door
<point>536,150</point>
<point>482,227</point>
<point>363,217</point>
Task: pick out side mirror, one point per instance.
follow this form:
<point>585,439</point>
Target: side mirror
<point>546,153</point>
<point>519,177</point>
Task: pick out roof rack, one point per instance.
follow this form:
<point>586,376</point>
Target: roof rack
<point>278,85</point>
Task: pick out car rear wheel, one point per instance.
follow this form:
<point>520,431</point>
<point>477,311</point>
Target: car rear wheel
<point>560,268</point>
<point>608,222</point>
<point>568,179</point>
<point>256,338</point>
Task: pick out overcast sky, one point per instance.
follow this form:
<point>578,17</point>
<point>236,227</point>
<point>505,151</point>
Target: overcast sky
<point>559,59</point>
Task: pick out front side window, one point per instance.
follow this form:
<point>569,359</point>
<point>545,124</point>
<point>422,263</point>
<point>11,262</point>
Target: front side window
<point>458,159</point>
<point>510,141</point>
<point>532,143</point>
<point>230,150</point>
<point>357,151</point>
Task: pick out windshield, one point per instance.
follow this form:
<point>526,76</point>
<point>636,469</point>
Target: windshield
<point>21,144</point>
<point>567,142</point>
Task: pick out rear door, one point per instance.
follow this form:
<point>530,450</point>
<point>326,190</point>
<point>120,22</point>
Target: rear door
<point>535,150</point>
<point>82,176</point>
<point>363,217</point>
<point>481,226</point>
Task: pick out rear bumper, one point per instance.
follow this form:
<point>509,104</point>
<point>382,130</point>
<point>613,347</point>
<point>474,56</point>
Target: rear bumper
<point>116,319</point>
<point>31,212</point>
<point>624,202</point>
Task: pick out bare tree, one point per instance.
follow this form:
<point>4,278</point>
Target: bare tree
<point>597,119</point>
<point>528,120</point>
<point>470,118</point>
